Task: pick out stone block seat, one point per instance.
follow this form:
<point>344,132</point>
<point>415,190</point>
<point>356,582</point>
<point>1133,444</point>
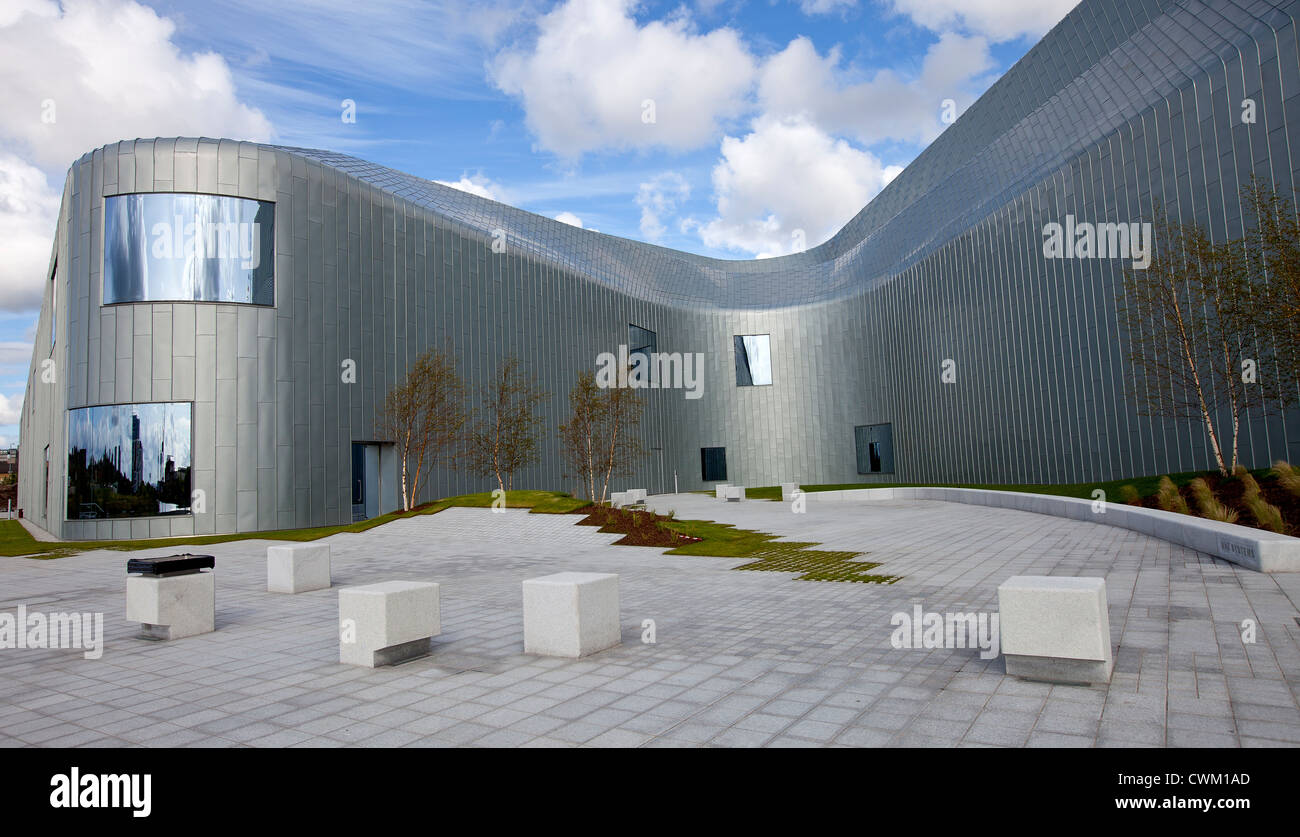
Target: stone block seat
<point>173,596</point>
<point>1055,629</point>
<point>298,567</point>
<point>571,614</point>
<point>387,623</point>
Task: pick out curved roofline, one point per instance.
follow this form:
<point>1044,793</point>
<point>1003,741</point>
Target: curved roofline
<point>1031,122</point>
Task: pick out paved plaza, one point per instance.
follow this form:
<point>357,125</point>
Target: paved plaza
<point>740,658</point>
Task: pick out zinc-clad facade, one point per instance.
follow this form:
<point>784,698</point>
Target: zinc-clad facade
<point>1122,106</point>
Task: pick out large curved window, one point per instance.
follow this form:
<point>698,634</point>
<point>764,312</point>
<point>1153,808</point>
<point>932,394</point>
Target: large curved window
<point>188,248</point>
<point>128,460</point>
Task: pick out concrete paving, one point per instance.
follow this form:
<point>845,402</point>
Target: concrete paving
<point>740,658</point>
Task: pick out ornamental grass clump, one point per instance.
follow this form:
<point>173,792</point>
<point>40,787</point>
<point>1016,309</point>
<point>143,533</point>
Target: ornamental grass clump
<point>1209,504</point>
<point>1169,499</point>
<point>1287,477</point>
<point>1267,515</point>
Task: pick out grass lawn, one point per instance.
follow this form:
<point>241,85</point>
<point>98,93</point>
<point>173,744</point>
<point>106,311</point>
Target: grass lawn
<point>722,540</point>
<point>15,540</point>
<point>718,539</point>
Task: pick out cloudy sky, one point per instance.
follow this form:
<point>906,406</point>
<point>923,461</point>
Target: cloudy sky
<point>731,128</point>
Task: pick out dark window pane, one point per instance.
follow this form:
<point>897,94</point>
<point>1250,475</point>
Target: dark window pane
<point>178,247</point>
<point>875,448</point>
<point>128,460</point>
<point>713,464</point>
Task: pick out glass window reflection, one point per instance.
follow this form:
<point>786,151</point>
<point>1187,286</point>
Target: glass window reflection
<point>753,360</point>
<point>128,460</point>
<point>180,247</point>
<point>641,341</point>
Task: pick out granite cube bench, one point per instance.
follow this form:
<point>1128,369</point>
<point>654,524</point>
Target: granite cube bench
<point>734,493</point>
<point>631,497</point>
<point>788,490</point>
<point>1055,628</point>
<point>297,568</point>
<point>387,623</point>
<point>172,597</point>
<point>571,614</point>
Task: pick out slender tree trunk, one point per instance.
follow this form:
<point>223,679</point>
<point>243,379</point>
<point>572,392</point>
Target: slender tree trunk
<point>609,463</point>
<point>416,473</point>
<point>406,452</point>
<point>1209,423</point>
<point>1185,342</point>
<point>496,448</point>
<point>1234,403</point>
<point>590,475</point>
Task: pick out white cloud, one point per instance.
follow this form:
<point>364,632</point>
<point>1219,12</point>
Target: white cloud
<point>570,219</point>
<point>475,184</point>
<point>29,210</point>
<point>112,72</point>
<point>998,20</point>
<point>104,70</point>
<point>788,180</point>
<point>799,82</point>
<point>585,83</point>
<point>11,409</point>
<point>658,197</point>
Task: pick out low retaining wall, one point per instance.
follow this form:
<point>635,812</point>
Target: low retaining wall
<point>1253,548</point>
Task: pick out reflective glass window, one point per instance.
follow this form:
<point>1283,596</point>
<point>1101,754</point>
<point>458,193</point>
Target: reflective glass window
<point>179,247</point>
<point>875,448</point>
<point>753,360</point>
<point>129,460</point>
<point>641,340</point>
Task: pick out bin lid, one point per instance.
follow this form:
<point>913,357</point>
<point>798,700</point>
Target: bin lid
<point>170,564</point>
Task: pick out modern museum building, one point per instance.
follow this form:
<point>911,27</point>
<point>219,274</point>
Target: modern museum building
<point>223,319</point>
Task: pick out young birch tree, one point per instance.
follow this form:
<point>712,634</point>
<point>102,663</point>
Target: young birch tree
<point>1186,318</point>
<point>424,417</point>
<point>599,441</point>
<point>504,438</point>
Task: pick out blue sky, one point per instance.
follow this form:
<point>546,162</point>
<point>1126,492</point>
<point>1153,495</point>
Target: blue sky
<point>731,129</point>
